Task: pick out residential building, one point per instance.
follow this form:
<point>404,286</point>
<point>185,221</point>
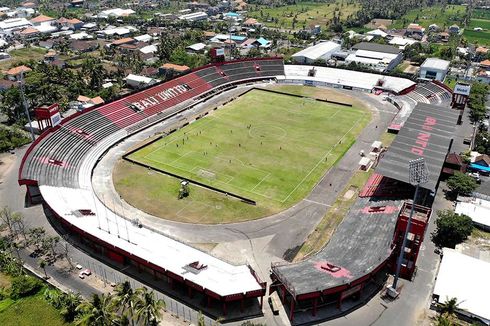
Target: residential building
<point>116,13</point>
<point>415,29</point>
<point>195,16</point>
<point>8,26</point>
<point>16,72</point>
<point>434,68</point>
<point>136,81</point>
<point>320,51</point>
<point>454,29</point>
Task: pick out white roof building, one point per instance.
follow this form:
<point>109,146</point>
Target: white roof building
<point>466,279</point>
<point>120,31</point>
<point>434,68</point>
<point>377,32</point>
<point>401,42</point>
<point>149,49</point>
<point>320,51</point>
<point>143,38</point>
<point>477,209</point>
<point>80,36</point>
<point>197,47</point>
<point>195,16</point>
<point>14,24</point>
<point>138,81</point>
<point>117,12</point>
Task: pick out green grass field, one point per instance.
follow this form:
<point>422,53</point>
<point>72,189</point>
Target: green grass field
<point>481,38</point>
<point>451,14</point>
<point>267,147</point>
<point>29,311</point>
<point>308,13</point>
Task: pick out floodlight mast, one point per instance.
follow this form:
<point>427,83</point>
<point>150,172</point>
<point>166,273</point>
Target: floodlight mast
<point>418,174</point>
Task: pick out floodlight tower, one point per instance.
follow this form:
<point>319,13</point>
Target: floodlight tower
<point>24,103</point>
<point>418,174</point>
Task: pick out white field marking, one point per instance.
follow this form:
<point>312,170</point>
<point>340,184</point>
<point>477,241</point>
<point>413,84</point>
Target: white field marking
<point>315,202</point>
<point>333,115</point>
<point>193,170</point>
<point>321,160</point>
<point>268,174</point>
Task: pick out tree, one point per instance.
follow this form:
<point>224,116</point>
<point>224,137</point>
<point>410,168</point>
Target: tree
<point>462,184</point>
<point>452,229</point>
<point>36,236</point>
<point>449,306</point>
<point>125,298</point>
<point>42,264</point>
<point>96,312</point>
<point>148,307</point>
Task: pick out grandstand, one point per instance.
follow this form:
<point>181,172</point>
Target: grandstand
<point>59,164</point>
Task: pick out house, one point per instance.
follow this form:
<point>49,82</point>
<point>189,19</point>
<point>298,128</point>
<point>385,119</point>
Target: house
<point>84,102</point>
<point>48,44</point>
<point>433,28</point>
<point>482,160</point>
<point>170,67</point>
<point>50,56</point>
<point>251,23</point>
<point>125,40</point>
<point>483,77</point>
<point>415,29</point>
<point>143,38</point>
<point>83,46</point>
<point>485,64</point>
<point>149,71</point>
<point>263,43</point>
<point>6,84</point>
<point>443,37</point>
<point>196,48</point>
<point>42,19</point>
<point>76,3</point>
<point>454,29</point>
<point>148,53</point>
<point>81,36</point>
<point>453,163</point>
<point>29,33</point>
<point>434,68</point>
<point>377,33</point>
<point>16,72</point>
<point>136,81</point>
<point>73,24</point>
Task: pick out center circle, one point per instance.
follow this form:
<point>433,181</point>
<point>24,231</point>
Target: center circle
<point>267,131</point>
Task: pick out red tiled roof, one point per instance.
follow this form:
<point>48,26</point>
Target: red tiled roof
<point>41,19</point>
<point>17,70</point>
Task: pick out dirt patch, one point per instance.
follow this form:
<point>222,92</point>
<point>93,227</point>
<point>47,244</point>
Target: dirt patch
<point>350,193</point>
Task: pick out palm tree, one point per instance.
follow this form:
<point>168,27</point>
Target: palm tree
<point>96,312</point>
<point>70,302</point>
<point>148,307</point>
<point>449,306</point>
<point>125,298</point>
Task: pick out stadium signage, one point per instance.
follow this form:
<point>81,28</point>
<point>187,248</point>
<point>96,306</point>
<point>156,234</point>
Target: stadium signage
<point>423,137</point>
<point>162,96</point>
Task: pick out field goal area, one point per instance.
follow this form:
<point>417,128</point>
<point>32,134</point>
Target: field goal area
<point>261,146</point>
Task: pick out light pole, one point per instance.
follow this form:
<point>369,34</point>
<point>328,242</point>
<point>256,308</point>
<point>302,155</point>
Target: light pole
<point>418,174</point>
<point>24,103</point>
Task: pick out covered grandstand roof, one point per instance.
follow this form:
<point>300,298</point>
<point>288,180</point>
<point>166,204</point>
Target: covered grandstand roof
<point>361,243</point>
<point>427,133</point>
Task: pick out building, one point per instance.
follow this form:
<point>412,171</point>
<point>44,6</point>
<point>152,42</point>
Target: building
<point>136,81</point>
<point>465,278</point>
<point>196,48</point>
<point>172,68</point>
<point>478,209</point>
<point>195,16</point>
<point>73,24</point>
<point>117,12</point>
<point>434,68</point>
<point>415,29</point>
<point>8,26</point>
<point>16,72</point>
<point>320,51</point>
<point>454,29</point>
<point>375,56</point>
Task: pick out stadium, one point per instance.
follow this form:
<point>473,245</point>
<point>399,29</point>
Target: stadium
<point>199,128</point>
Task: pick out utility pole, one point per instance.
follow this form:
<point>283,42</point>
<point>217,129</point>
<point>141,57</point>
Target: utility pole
<point>418,174</point>
<point>24,103</point>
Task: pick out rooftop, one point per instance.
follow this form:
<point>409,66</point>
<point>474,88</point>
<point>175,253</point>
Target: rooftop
<point>435,63</point>
<point>41,19</point>
<point>175,67</point>
<point>316,51</point>
<point>17,70</point>
<point>376,47</point>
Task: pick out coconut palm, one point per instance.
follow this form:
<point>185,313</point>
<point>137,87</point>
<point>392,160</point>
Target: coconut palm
<point>449,306</point>
<point>69,304</point>
<point>148,307</point>
<point>125,299</point>
<point>96,312</point>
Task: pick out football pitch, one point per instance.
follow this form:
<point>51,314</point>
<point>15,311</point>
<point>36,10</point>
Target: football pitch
<point>267,147</point>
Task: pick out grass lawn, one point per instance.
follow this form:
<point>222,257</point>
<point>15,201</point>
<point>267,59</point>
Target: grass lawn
<point>481,13</point>
<point>28,311</point>
<point>267,147</point>
<point>451,14</point>
<point>22,55</point>
<point>324,230</point>
<point>308,13</point>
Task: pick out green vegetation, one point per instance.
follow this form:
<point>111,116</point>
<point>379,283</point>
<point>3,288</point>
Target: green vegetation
<point>477,233</point>
<point>443,16</point>
<point>481,14</point>
<point>461,184</point>
<point>324,230</point>
<point>11,138</point>
<point>478,37</point>
<point>21,56</point>
<point>478,97</point>
<point>33,310</point>
<point>303,14</point>
<point>268,147</point>
<point>452,229</point>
